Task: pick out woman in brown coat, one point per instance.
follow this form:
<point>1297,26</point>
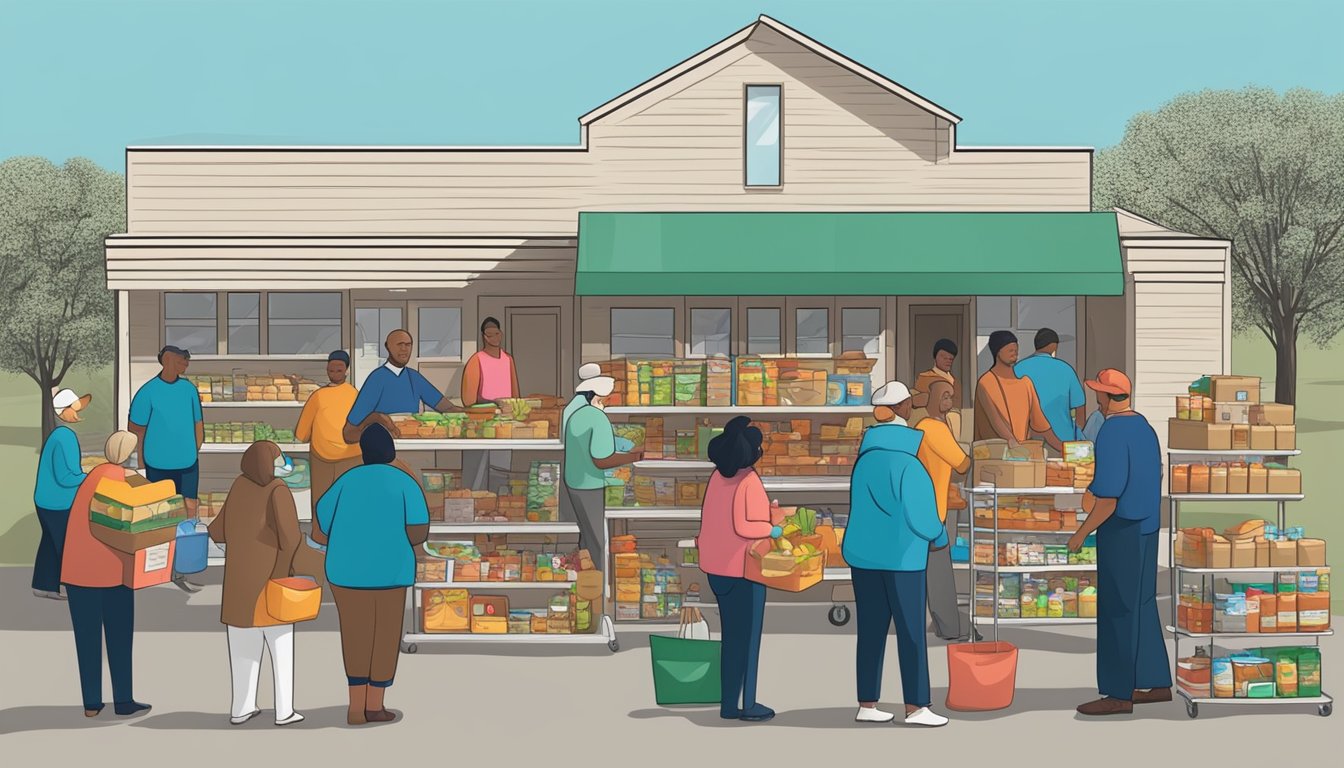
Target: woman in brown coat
<point>259,528</point>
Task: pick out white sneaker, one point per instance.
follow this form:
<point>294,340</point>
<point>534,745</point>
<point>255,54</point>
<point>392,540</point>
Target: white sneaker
<point>244,718</point>
<point>291,720</point>
<point>873,715</point>
<point>925,717</point>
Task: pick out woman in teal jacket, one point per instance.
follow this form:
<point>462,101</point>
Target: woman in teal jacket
<point>893,523</point>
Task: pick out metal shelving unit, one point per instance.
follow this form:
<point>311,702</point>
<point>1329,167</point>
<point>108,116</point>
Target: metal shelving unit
<point>734,410</point>
<point>1324,703</point>
<point>415,445</point>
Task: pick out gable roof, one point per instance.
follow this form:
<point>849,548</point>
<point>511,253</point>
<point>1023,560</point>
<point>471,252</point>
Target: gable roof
<point>741,36</point>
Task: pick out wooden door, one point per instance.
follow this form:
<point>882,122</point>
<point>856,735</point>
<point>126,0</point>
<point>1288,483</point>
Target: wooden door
<point>533,338</point>
<point>928,324</point>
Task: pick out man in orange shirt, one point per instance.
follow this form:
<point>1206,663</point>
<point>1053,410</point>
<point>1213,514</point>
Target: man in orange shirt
<point>320,425</point>
<point>1007,406</point>
<point>941,456</point>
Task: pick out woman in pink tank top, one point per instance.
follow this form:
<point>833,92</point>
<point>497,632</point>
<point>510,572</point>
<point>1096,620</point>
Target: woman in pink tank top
<point>490,374</point>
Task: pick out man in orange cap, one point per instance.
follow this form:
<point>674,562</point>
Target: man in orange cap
<point>1123,507</point>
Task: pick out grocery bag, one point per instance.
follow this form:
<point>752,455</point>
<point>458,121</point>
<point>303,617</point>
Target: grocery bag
<point>192,551</point>
<point>293,599</point>
<point>981,676</point>
<point>693,625</point>
<point>685,671</point>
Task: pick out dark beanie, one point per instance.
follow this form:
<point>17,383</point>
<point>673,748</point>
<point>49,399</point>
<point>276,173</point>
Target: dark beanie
<point>998,340</point>
<point>1045,337</point>
<point>340,355</point>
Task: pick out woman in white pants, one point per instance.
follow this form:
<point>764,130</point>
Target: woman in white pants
<point>259,528</point>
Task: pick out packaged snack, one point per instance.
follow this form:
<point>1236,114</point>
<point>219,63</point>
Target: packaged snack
<point>1308,672</point>
<point>1285,672</point>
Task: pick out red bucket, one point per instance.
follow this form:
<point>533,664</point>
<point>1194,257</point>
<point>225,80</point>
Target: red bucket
<point>981,676</point>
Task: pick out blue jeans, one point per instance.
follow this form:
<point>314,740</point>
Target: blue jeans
<point>1131,652</point>
<point>187,481</point>
<point>879,598</point>
<point>96,612</point>
<point>742,612</point>
<point>50,549</point>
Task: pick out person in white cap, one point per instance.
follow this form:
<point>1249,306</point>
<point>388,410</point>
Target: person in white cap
<point>590,450</point>
<point>58,477</point>
<point>893,523</point>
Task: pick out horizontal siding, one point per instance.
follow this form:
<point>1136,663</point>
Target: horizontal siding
<point>1178,337</point>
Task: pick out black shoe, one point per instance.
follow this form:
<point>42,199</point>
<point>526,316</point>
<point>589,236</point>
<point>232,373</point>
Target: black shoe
<point>757,714</point>
<point>129,708</point>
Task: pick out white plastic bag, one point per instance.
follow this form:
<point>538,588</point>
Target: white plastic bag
<point>693,625</point>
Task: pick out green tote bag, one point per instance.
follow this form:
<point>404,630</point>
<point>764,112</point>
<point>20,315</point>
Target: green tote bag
<point>685,671</point>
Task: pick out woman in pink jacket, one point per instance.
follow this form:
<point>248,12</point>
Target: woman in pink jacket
<point>736,514</point>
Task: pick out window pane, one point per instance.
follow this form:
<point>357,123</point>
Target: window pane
<point>303,323</point>
<point>196,339</point>
<point>244,323</point>
<point>762,140</point>
<point>1057,312</point>
<point>189,306</point>
<point>993,313</point>
<point>440,332</point>
<point>711,332</point>
<point>861,331</point>
<point>812,331</point>
<point>763,335</point>
<point>642,332</point>
<point>189,322</point>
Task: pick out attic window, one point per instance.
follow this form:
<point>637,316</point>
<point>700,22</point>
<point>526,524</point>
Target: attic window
<point>764,150</point>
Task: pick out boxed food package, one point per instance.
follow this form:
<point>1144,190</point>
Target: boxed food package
<point>1269,612</point>
<point>1309,672</point>
<point>445,610</point>
<point>1238,478</point>
<point>1313,611</point>
<point>1198,435</point>
<point>1234,389</point>
<point>1231,413</point>
<point>130,543</point>
<point>1241,437</point>
<point>1257,479</point>
<point>1200,478</point>
<point>1243,553</point>
<point>1287,603</point>
<point>489,614</point>
<point>1310,552</point>
<point>1180,478</point>
<point>1223,682</point>
<point>1011,474</point>
<point>1283,554</point>
<point>1263,438</point>
<point>1284,481</point>
<point>1250,670</point>
<point>1272,414</point>
<point>1285,438</point>
<point>1218,479</point>
<point>1193,675</point>
<point>147,567</point>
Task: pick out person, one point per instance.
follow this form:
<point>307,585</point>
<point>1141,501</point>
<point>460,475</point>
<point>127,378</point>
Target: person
<point>101,605</point>
<point>1092,427</point>
<point>59,475</point>
<point>736,513</point>
<point>1057,386</point>
<point>166,418</point>
<point>587,371</point>
<point>259,527</point>
<point>392,388</point>
<point>590,449</point>
<point>371,521</point>
<point>941,455</point>
<point>321,423</point>
<point>1007,406</point>
<point>489,377</point>
<point>1123,507</point>
<point>944,356</point>
<point>893,522</point>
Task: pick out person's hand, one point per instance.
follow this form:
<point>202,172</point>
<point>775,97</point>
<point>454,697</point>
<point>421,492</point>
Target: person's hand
<point>633,456</point>
<point>777,513</point>
<point>1076,541</point>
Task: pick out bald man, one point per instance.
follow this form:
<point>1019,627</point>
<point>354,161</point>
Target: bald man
<point>393,388</point>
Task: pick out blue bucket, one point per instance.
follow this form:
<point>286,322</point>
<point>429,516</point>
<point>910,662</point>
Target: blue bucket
<point>192,555</point>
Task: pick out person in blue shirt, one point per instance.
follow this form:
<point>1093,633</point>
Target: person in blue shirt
<point>1057,386</point>
<point>1123,506</point>
<point>393,388</point>
<point>58,477</point>
<point>371,520</point>
<point>166,418</point>
<point>893,523</point>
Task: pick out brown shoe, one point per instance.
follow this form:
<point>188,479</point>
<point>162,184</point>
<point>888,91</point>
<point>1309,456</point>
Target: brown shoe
<point>381,716</point>
<point>1106,706</point>
<point>1154,696</point>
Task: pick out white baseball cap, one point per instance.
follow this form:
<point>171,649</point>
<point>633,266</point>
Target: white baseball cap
<point>598,385</point>
<point>891,393</point>
<point>64,399</point>
<point>589,371</point>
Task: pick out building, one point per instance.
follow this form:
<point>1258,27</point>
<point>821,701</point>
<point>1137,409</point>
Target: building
<point>767,195</point>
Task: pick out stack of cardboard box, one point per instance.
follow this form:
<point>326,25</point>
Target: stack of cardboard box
<point>1224,413</point>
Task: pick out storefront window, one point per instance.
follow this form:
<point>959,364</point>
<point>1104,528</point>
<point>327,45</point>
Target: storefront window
<point>861,330</point>
<point>812,331</point>
<point>244,324</point>
<point>636,332</point>
<point>440,332</point>
<point>763,147</point>
<point>711,332</point>
<point>1059,313</point>
<point>303,323</point>
<point>190,322</point>
<point>763,334</point>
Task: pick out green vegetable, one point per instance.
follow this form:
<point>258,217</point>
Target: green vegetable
<point>807,521</point>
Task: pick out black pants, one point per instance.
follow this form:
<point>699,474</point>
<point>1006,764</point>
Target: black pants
<point>50,549</point>
<point>881,597</point>
<point>99,612</point>
<point>1131,649</point>
<point>742,613</point>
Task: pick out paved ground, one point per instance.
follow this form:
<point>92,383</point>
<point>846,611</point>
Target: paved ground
<point>555,705</point>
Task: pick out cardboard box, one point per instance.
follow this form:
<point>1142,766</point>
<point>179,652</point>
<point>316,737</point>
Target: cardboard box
<point>489,614</point>
<point>1220,553</point>
<point>1311,552</point>
<point>1218,480</point>
<point>1285,438</point>
<point>129,543</point>
<point>1180,478</point>
<point>1241,437</point>
<point>1283,554</point>
<point>1235,389</point>
<point>1011,474</point>
<point>1272,414</point>
<point>1198,436</point>
<point>1258,480</point>
<point>148,567</point>
<point>1232,413</point>
<point>1261,553</point>
<point>1263,438</point>
<point>1243,553</point>
<point>1238,479</point>
<point>1199,478</point>
<point>1284,481</point>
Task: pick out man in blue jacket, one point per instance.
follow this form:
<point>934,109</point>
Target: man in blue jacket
<point>59,475</point>
<point>893,522</point>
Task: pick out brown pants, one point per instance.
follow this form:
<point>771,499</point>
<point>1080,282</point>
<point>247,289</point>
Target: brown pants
<point>324,473</point>
<point>371,623</point>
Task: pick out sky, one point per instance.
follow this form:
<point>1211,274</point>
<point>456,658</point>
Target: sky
<point>90,77</point>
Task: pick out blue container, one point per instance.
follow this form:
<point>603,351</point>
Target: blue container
<point>192,549</point>
<point>961,551</point>
<point>857,390</point>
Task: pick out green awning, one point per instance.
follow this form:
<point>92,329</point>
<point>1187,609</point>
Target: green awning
<point>849,254</point>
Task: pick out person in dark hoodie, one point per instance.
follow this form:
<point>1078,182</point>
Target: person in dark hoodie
<point>893,523</point>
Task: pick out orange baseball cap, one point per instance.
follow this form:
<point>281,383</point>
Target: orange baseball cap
<point>1112,382</point>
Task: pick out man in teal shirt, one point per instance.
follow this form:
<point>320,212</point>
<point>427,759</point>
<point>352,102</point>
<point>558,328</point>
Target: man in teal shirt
<point>59,475</point>
<point>1062,398</point>
<point>590,448</point>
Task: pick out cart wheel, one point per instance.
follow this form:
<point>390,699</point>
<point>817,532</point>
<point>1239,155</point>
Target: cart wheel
<point>613,646</point>
<point>1324,710</point>
<point>411,648</point>
<point>1192,709</point>
<point>839,615</point>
